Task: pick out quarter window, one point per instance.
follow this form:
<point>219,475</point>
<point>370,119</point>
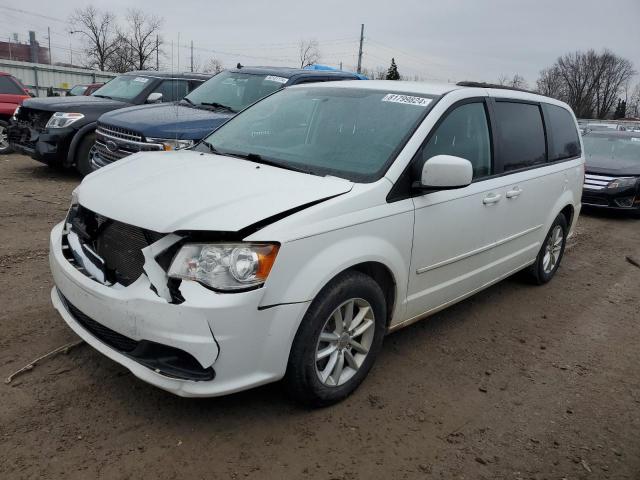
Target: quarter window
<point>9,87</point>
<point>463,133</point>
<point>521,135</point>
<point>563,141</point>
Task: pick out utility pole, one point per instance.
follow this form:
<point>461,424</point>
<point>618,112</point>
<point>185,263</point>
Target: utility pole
<point>10,55</point>
<point>49,38</point>
<point>157,54</point>
<point>360,51</point>
<point>340,65</point>
<point>191,56</point>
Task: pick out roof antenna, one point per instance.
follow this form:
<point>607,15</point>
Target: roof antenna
<point>239,66</point>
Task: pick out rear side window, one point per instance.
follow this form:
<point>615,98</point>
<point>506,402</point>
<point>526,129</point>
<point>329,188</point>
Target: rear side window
<point>520,135</point>
<point>563,135</point>
<point>9,87</point>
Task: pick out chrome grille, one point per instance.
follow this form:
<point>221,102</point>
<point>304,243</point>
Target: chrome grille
<point>596,182</point>
<point>118,132</point>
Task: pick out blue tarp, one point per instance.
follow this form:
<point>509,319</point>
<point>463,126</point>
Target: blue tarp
<point>327,67</point>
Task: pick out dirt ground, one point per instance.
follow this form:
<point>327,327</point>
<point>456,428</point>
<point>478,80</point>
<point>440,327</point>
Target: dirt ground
<point>516,382</point>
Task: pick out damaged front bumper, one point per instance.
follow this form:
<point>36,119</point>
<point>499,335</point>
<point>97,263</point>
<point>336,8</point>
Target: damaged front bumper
<point>211,344</point>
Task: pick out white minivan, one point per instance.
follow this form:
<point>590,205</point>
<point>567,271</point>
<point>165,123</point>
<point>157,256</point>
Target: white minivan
<point>290,241</point>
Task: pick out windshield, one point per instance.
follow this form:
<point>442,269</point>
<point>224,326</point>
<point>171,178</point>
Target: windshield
<point>346,132</point>
<point>615,148</point>
<point>235,90</point>
<point>124,87</point>
<point>77,90</point>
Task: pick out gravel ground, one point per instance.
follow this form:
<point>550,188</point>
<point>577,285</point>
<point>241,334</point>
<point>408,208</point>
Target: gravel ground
<point>516,382</point>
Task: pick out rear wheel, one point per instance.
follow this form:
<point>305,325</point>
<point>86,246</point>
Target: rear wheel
<point>4,138</point>
<point>551,252</point>
<point>83,158</point>
<point>338,340</point>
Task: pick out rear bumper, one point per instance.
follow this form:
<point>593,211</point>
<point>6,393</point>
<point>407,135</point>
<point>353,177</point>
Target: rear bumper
<point>226,333</point>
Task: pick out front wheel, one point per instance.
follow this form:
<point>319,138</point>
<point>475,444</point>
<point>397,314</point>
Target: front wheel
<point>338,341</point>
<point>83,154</point>
<point>4,138</point>
<point>551,252</point>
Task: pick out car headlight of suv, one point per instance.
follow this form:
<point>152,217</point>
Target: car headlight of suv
<point>225,266</point>
<point>172,144</point>
<point>15,113</point>
<point>622,182</point>
<point>63,119</point>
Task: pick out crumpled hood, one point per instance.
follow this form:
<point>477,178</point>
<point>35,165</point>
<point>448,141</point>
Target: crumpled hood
<point>612,166</point>
<point>167,120</point>
<point>71,104</point>
<point>185,190</point>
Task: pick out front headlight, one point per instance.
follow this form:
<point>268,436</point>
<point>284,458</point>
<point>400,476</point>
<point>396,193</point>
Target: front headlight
<point>63,119</point>
<point>15,113</point>
<point>172,144</point>
<point>225,266</point>
<point>622,182</point>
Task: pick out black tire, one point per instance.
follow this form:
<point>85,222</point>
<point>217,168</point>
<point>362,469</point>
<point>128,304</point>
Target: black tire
<point>537,272</point>
<point>83,160</point>
<point>4,148</point>
<point>302,380</point>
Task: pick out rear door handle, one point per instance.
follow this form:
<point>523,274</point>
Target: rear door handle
<point>514,193</point>
<point>491,198</point>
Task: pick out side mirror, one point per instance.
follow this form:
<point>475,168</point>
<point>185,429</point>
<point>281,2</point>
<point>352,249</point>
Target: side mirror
<point>445,172</point>
<point>155,97</point>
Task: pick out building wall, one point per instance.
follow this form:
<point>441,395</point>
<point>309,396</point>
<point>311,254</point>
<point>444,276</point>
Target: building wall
<point>22,52</point>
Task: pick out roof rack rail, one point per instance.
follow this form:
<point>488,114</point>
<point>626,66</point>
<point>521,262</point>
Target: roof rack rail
<point>493,85</point>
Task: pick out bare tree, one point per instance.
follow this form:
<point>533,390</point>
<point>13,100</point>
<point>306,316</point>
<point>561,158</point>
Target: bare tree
<point>213,66</point>
<point>142,37</point>
<point>123,59</point>
<point>98,29</point>
<point>551,83</point>
<point>616,72</point>
<point>589,82</point>
<point>309,53</point>
<point>517,81</point>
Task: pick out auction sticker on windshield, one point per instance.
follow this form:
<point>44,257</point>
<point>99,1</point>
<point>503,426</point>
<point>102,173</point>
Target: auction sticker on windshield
<point>141,79</point>
<point>407,99</point>
<point>275,78</point>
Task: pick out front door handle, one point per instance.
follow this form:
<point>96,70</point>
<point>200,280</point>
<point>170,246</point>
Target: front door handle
<point>491,198</point>
<point>514,193</point>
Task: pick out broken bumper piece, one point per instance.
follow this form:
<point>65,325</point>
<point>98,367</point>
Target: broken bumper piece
<point>211,344</point>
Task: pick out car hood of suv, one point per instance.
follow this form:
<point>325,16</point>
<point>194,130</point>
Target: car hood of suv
<point>612,166</point>
<point>185,190</point>
<point>82,104</point>
<point>167,120</point>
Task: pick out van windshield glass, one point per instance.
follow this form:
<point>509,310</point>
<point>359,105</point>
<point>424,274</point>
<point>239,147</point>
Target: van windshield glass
<point>351,133</point>
<point>124,87</point>
<point>612,147</point>
<point>235,90</point>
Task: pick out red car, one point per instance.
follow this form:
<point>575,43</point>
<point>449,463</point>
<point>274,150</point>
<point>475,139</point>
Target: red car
<point>12,93</point>
<point>84,89</point>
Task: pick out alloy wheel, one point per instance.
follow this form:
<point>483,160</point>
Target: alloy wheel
<point>4,139</point>
<point>344,342</point>
<point>553,248</point>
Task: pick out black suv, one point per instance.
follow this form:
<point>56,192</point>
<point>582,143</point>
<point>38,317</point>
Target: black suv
<point>181,125</point>
<point>60,131</point>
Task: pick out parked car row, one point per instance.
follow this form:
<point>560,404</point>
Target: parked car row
<point>289,241</point>
<point>89,132</point>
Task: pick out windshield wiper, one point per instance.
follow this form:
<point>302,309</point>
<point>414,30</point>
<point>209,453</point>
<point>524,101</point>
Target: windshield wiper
<point>254,157</point>
<point>185,99</point>
<point>103,96</point>
<point>218,105</point>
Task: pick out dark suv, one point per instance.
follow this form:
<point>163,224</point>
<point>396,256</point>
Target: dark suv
<point>181,125</point>
<point>60,131</point>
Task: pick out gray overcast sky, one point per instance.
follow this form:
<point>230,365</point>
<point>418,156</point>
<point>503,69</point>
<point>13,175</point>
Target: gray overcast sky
<point>436,39</point>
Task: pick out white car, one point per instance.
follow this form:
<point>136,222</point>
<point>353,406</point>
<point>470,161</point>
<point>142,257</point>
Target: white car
<point>295,237</point>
